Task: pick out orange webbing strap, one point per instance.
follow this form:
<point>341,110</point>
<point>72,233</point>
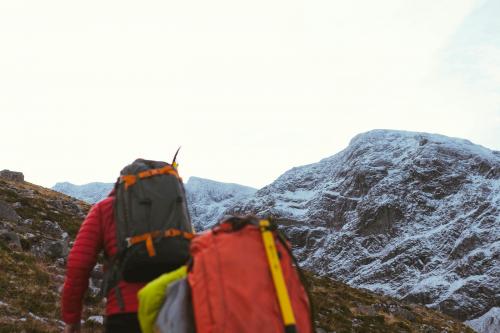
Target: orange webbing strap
<point>130,180</point>
<point>148,238</point>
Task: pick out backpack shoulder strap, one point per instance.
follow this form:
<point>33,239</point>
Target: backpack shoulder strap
<point>278,279</point>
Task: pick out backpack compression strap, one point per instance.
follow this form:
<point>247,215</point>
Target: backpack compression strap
<point>130,180</point>
<point>148,238</point>
<point>278,279</point>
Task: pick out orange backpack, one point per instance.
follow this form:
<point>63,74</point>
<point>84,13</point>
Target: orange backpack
<point>243,279</point>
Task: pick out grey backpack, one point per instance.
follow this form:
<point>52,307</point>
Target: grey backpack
<point>176,314</point>
<point>153,227</point>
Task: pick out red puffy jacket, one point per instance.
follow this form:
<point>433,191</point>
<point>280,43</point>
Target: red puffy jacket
<point>96,233</point>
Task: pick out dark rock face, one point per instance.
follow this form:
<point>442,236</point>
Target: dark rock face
<point>411,215</point>
<point>12,175</point>
<point>11,238</point>
<point>50,227</point>
<point>56,249</point>
<point>7,212</point>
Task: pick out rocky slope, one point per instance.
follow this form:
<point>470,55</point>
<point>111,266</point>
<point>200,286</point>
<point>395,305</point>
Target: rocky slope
<point>33,219</point>
<point>37,227</point>
<point>411,215</point>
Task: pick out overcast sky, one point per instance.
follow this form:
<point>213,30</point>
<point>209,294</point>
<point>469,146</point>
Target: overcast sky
<point>249,89</point>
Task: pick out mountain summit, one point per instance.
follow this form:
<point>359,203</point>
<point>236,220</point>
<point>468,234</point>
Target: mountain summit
<point>208,199</point>
<point>412,215</point>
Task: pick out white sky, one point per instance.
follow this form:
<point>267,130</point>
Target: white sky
<point>249,89</point>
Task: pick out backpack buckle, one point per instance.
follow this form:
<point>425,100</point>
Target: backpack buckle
<point>129,180</point>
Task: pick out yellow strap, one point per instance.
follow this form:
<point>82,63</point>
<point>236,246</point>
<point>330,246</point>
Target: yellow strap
<point>277,273</point>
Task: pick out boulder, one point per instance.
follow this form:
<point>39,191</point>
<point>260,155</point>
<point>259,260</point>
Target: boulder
<point>12,175</point>
<point>56,249</point>
<point>11,238</point>
<point>7,212</point>
<point>51,227</point>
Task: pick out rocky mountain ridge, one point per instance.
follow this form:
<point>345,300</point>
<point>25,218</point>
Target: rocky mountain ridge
<point>208,200</point>
<point>411,215</point>
<point>90,193</point>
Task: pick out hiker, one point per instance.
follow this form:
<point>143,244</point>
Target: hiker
<point>133,259</point>
<point>96,233</point>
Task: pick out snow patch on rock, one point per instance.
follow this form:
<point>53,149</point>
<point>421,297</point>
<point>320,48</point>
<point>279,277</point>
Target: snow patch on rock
<point>208,200</point>
<point>97,319</point>
<point>487,323</point>
<point>91,192</point>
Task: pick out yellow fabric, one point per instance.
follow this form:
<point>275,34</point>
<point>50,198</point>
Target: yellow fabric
<point>152,296</point>
<point>277,274</point>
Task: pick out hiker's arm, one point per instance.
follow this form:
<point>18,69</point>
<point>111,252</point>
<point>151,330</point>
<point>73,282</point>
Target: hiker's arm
<point>81,260</point>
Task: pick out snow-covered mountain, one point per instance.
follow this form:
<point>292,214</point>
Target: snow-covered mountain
<point>91,192</point>
<point>207,199</point>
<point>487,323</point>
<point>412,215</point>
